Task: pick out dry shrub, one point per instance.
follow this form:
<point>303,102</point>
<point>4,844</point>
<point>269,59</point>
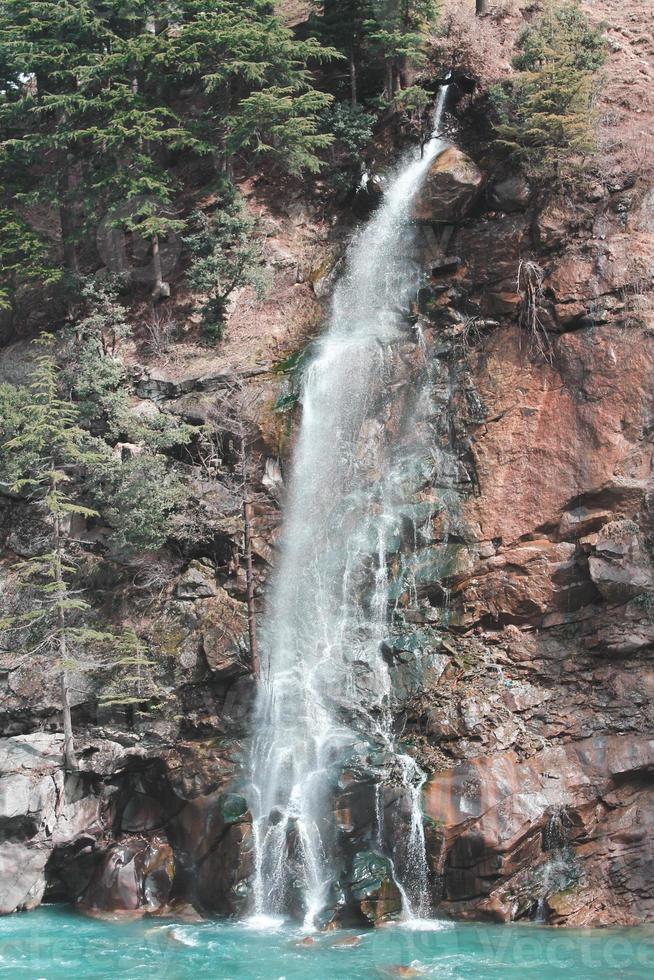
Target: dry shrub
<point>530,288</point>
<point>479,46</point>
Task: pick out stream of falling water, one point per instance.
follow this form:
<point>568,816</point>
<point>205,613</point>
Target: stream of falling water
<point>325,689</point>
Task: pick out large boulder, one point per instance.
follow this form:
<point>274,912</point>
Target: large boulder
<point>214,845</point>
<point>372,887</point>
<point>40,811</point>
<point>135,876</point>
<point>22,876</point>
<point>449,189</point>
<point>620,566</point>
<point>366,895</point>
<point>511,194</point>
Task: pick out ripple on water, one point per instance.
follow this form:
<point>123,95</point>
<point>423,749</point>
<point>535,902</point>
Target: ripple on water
<point>57,944</point>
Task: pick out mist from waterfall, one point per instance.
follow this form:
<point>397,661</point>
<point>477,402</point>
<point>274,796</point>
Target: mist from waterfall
<point>325,687</point>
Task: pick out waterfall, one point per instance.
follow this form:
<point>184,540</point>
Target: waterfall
<point>325,693</point>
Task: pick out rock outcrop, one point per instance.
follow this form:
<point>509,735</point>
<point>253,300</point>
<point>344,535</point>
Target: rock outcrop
<point>40,812</point>
<point>521,651</point>
<point>449,190</point>
<point>569,827</point>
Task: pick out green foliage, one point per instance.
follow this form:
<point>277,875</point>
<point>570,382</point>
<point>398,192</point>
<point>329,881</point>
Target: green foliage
<point>78,126</point>
<point>140,499</point>
<point>564,28</point>
<point>225,256</point>
<point>413,105</point>
<point>545,113</point>
<point>51,450</point>
<point>24,258</point>
<point>378,37</point>
<point>130,683</point>
<point>98,380</point>
<point>90,112</point>
<point>14,404</point>
<point>46,448</point>
<point>256,78</point>
<point>283,125</point>
<point>48,439</point>
<point>352,127</point>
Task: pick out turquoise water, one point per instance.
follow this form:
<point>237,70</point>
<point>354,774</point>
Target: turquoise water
<point>54,943</point>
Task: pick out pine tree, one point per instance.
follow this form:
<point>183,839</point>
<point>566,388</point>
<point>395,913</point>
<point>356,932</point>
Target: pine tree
<point>226,256</point>
<point>77,125</point>
<point>24,260</point>
<point>377,37</point>
<point>546,111</point>
<point>46,447</point>
<point>45,48</point>
<point>90,107</point>
<point>131,686</point>
<point>396,33</point>
<point>256,79</point>
<point>343,25</point>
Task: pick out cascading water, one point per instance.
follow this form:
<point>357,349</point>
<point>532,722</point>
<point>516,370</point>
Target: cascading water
<point>326,690</point>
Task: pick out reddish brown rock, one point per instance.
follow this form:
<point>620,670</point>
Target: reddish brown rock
<point>557,435</point>
<point>620,566</point>
<point>449,190</point>
<point>575,817</point>
<point>131,877</point>
<point>213,841</point>
<point>521,584</point>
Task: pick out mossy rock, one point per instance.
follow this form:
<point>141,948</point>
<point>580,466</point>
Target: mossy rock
<point>232,807</point>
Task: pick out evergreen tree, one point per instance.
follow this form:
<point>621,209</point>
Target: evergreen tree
<point>98,380</point>
<point>546,111</point>
<point>396,33</point>
<point>378,38</point>
<point>226,257</point>
<point>24,260</point>
<point>77,125</point>
<point>51,460</point>
<point>256,80</point>
<point>344,25</point>
<point>90,109</point>
<point>131,685</point>
<point>47,446</point>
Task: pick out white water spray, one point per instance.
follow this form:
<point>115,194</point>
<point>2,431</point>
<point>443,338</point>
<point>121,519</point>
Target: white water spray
<point>326,689</point>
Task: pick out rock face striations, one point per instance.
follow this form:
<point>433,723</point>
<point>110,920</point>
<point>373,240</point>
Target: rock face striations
<point>520,646</point>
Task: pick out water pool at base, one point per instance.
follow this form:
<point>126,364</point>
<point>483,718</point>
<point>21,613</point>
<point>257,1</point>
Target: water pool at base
<point>53,943</point>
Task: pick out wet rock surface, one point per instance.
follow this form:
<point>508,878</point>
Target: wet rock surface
<point>521,644</point>
<point>450,188</point>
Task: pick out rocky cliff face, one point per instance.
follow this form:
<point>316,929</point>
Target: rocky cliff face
<point>540,726</point>
<point>521,657</point>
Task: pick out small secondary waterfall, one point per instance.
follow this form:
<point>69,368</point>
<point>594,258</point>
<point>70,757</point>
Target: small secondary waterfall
<point>326,688</point>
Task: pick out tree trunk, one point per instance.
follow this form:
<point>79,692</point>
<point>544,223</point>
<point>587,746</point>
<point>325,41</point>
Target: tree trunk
<point>388,82</point>
<point>70,762</point>
<point>482,7</point>
<point>67,217</point>
<point>161,289</point>
<point>353,77</point>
